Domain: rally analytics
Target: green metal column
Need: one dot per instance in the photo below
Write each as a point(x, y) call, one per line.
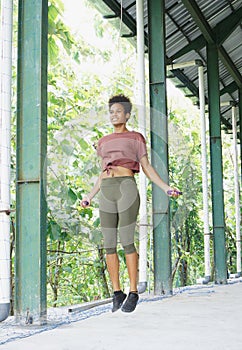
point(30, 260)
point(159, 146)
point(216, 165)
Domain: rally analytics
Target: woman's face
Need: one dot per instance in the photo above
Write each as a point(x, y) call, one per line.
point(117, 114)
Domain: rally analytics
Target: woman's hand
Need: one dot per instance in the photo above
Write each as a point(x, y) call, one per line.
point(85, 202)
point(173, 192)
point(151, 173)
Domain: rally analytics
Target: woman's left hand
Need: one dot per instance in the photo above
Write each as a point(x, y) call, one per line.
point(173, 192)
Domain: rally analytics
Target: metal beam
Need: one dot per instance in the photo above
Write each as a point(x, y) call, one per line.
point(226, 123)
point(210, 37)
point(228, 63)
point(199, 19)
point(196, 45)
point(127, 19)
point(216, 165)
point(229, 89)
point(159, 146)
point(226, 27)
point(186, 82)
point(221, 32)
point(30, 259)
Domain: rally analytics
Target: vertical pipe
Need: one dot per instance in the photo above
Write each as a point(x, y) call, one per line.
point(236, 191)
point(5, 152)
point(204, 175)
point(142, 127)
point(30, 254)
point(216, 165)
point(159, 146)
point(240, 130)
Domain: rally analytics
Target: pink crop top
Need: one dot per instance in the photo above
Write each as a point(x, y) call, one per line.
point(122, 149)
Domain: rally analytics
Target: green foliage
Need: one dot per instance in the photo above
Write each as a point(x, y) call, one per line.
point(76, 120)
point(186, 220)
point(59, 34)
point(229, 198)
point(76, 269)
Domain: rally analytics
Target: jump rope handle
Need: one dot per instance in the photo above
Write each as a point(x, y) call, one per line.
point(170, 192)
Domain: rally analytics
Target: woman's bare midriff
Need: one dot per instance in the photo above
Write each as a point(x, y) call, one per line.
point(116, 172)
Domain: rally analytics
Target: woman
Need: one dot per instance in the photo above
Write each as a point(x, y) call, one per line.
point(122, 152)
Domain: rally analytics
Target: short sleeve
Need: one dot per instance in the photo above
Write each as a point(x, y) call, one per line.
point(141, 147)
point(99, 149)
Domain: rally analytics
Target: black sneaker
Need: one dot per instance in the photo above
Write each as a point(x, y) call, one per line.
point(131, 302)
point(118, 300)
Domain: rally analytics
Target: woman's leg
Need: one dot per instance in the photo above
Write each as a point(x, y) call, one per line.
point(128, 208)
point(132, 266)
point(113, 270)
point(109, 222)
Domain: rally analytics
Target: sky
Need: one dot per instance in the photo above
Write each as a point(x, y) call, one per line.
point(79, 18)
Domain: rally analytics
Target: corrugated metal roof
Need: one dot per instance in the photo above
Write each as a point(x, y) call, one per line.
point(185, 41)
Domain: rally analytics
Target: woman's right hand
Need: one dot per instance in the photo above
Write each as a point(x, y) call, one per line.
point(85, 202)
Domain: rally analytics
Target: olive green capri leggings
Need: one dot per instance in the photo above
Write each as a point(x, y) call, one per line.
point(119, 206)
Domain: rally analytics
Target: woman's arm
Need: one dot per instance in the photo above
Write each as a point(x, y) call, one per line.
point(86, 201)
point(151, 173)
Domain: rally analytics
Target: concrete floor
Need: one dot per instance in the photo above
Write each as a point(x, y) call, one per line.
point(206, 317)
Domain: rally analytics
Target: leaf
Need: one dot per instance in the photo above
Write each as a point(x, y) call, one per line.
point(53, 50)
point(52, 13)
point(96, 222)
point(84, 145)
point(55, 231)
point(72, 195)
point(67, 148)
point(67, 269)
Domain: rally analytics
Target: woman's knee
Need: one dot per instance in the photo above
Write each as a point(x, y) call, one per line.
point(110, 251)
point(129, 249)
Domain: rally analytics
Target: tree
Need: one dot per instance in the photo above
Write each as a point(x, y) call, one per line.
point(76, 120)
